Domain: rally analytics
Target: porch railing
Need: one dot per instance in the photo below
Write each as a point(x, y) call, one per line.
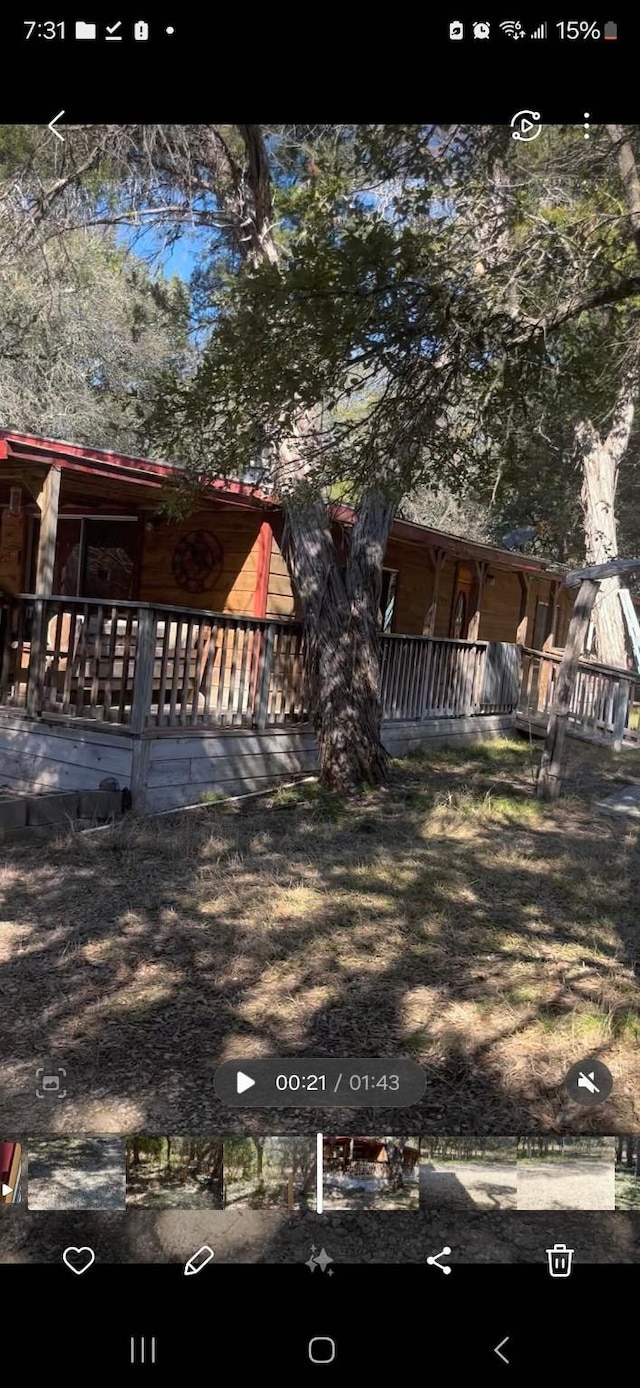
point(137, 665)
point(605, 704)
point(427, 678)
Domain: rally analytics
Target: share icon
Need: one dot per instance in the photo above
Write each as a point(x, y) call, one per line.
point(434, 1260)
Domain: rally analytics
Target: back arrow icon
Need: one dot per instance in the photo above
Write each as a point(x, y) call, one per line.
point(498, 1348)
point(52, 123)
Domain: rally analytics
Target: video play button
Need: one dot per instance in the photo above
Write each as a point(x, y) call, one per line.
point(6, 1190)
point(243, 1082)
point(525, 125)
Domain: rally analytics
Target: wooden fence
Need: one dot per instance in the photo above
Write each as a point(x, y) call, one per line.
point(138, 666)
point(604, 707)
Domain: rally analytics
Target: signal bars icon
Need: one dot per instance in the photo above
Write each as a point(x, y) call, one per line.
point(540, 32)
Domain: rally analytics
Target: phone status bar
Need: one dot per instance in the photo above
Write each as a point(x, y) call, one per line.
point(513, 31)
point(90, 31)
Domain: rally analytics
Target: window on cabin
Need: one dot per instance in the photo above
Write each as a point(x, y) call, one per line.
point(94, 558)
point(388, 598)
point(459, 624)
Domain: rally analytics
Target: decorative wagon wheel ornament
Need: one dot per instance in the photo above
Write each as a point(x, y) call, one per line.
point(197, 561)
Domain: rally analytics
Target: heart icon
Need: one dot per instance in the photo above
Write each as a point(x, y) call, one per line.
point(78, 1259)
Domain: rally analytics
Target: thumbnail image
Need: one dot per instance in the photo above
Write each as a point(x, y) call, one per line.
point(270, 1173)
point(76, 1173)
point(10, 1173)
point(566, 1173)
point(465, 1173)
point(175, 1172)
point(627, 1173)
point(378, 1173)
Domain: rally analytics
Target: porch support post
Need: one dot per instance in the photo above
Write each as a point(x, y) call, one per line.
point(48, 500)
point(554, 596)
point(473, 629)
point(265, 547)
point(429, 625)
point(523, 618)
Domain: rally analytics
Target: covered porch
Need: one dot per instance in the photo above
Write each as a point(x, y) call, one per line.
point(182, 704)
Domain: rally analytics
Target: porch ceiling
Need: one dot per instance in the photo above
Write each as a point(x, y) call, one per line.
point(81, 490)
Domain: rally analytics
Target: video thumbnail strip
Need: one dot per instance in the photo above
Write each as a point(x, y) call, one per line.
point(322, 1173)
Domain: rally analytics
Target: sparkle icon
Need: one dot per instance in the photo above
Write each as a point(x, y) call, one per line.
point(319, 1260)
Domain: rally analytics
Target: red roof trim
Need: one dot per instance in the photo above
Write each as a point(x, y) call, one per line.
point(125, 468)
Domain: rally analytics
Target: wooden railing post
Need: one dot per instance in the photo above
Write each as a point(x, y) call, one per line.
point(37, 655)
point(479, 678)
point(6, 623)
point(425, 682)
point(143, 672)
point(264, 677)
point(622, 701)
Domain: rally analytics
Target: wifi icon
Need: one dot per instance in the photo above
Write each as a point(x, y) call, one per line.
point(513, 29)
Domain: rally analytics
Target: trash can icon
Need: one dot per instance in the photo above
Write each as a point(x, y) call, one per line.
point(560, 1260)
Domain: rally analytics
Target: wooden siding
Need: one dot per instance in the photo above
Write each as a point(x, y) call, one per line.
point(12, 547)
point(37, 755)
point(500, 606)
point(402, 738)
point(414, 586)
point(280, 600)
point(183, 770)
point(445, 597)
point(233, 590)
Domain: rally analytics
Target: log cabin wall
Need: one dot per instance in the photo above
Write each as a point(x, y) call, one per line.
point(232, 585)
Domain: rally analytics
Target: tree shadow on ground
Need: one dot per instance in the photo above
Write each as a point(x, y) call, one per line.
point(448, 918)
point(448, 1190)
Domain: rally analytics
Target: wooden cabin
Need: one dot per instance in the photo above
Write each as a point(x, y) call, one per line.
point(363, 1155)
point(84, 523)
point(164, 656)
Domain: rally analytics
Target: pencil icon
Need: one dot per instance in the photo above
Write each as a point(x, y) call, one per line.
point(198, 1261)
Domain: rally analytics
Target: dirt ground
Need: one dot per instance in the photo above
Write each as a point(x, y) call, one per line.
point(79, 1174)
point(273, 1195)
point(357, 1193)
point(461, 1185)
point(449, 917)
point(186, 1195)
point(570, 1185)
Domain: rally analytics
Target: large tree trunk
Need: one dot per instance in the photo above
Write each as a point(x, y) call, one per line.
point(340, 606)
point(342, 641)
point(548, 785)
point(600, 460)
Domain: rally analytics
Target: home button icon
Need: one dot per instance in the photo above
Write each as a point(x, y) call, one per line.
point(322, 1349)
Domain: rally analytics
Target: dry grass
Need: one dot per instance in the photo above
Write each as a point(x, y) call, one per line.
point(448, 917)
